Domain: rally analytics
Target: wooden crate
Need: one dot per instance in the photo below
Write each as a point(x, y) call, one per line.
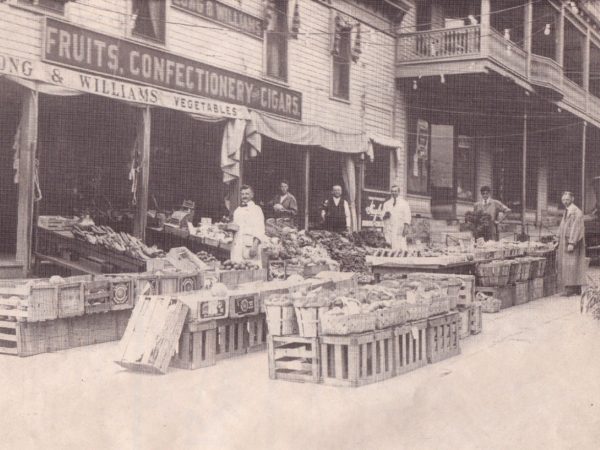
point(506, 294)
point(168, 283)
point(197, 346)
point(281, 320)
point(9, 337)
point(410, 346)
point(122, 294)
point(521, 292)
point(442, 337)
point(294, 358)
point(70, 299)
point(96, 296)
point(212, 309)
point(475, 318)
point(146, 284)
point(233, 278)
point(257, 333)
point(464, 330)
point(466, 294)
point(359, 359)
point(42, 303)
point(190, 282)
point(231, 337)
point(536, 288)
point(549, 285)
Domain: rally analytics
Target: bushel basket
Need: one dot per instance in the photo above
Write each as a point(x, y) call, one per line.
point(281, 319)
point(493, 274)
point(345, 324)
point(309, 320)
point(389, 317)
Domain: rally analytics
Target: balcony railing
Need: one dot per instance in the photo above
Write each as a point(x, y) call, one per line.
point(546, 72)
point(447, 43)
point(506, 53)
point(574, 94)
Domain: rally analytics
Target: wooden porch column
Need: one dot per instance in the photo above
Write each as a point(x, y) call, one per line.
point(306, 187)
point(141, 212)
point(560, 55)
point(27, 155)
point(583, 156)
point(524, 179)
point(528, 17)
point(586, 62)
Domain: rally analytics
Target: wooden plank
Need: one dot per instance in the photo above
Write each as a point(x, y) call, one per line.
point(8, 324)
point(8, 337)
point(9, 350)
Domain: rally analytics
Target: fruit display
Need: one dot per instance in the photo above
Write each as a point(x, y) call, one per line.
point(105, 236)
point(214, 232)
point(480, 224)
point(240, 265)
point(368, 238)
point(207, 257)
point(351, 257)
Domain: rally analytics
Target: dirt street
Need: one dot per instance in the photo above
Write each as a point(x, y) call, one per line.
point(530, 381)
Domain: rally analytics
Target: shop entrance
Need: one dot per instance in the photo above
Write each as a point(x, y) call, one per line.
point(185, 164)
point(325, 171)
point(85, 153)
point(277, 161)
point(10, 112)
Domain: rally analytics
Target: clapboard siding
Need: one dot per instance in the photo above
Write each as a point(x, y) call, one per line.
point(371, 107)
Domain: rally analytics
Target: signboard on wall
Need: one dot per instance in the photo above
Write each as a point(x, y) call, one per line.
point(72, 46)
point(372, 210)
point(223, 14)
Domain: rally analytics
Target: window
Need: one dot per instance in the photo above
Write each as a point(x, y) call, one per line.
point(149, 19)
point(377, 172)
point(573, 53)
point(544, 38)
point(276, 39)
point(418, 157)
point(507, 17)
point(342, 58)
point(56, 6)
point(594, 69)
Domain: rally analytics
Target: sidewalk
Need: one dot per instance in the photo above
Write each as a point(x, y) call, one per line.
point(530, 381)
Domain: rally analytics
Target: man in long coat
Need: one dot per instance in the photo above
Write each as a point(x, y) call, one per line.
point(396, 220)
point(571, 262)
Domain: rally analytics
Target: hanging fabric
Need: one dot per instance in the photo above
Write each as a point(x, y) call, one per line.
point(136, 155)
point(296, 21)
point(233, 137)
point(155, 11)
point(37, 190)
point(357, 49)
point(269, 15)
point(341, 25)
point(16, 149)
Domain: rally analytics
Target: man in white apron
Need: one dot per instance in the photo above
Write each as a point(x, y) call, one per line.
point(396, 220)
point(249, 226)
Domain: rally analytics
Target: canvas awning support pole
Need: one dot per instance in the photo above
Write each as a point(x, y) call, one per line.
point(27, 155)
point(306, 188)
point(524, 179)
point(583, 157)
point(139, 225)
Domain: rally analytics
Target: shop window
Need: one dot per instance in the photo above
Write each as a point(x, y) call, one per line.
point(55, 6)
point(342, 59)
point(149, 19)
point(377, 172)
point(276, 39)
point(464, 169)
point(418, 157)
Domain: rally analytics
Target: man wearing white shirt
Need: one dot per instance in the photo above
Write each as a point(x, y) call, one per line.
point(396, 220)
point(335, 212)
point(249, 226)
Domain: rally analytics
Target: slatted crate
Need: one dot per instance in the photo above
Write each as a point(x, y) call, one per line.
point(549, 285)
point(521, 292)
point(506, 294)
point(442, 337)
point(475, 318)
point(70, 299)
point(146, 284)
point(8, 337)
point(257, 333)
point(233, 278)
point(466, 294)
point(536, 288)
point(231, 337)
point(96, 296)
point(357, 360)
point(464, 329)
point(197, 346)
point(168, 283)
point(294, 358)
point(410, 346)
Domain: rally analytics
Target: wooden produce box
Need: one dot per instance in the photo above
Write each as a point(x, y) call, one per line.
point(521, 292)
point(97, 296)
point(475, 318)
point(294, 358)
point(506, 294)
point(231, 337)
point(536, 288)
point(242, 304)
point(357, 360)
point(465, 322)
point(197, 346)
point(38, 298)
point(233, 278)
point(257, 333)
point(442, 337)
point(70, 299)
point(410, 346)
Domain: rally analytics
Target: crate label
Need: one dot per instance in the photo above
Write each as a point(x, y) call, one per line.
point(210, 279)
point(213, 309)
point(244, 305)
point(188, 284)
point(120, 293)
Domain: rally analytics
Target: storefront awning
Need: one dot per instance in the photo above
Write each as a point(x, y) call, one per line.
point(41, 87)
point(304, 134)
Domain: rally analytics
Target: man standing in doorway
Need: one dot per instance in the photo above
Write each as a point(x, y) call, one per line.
point(335, 212)
point(495, 209)
point(396, 220)
point(249, 227)
point(284, 204)
point(572, 265)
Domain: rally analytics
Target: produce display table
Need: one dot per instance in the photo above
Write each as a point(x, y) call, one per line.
point(63, 249)
point(383, 265)
point(170, 237)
